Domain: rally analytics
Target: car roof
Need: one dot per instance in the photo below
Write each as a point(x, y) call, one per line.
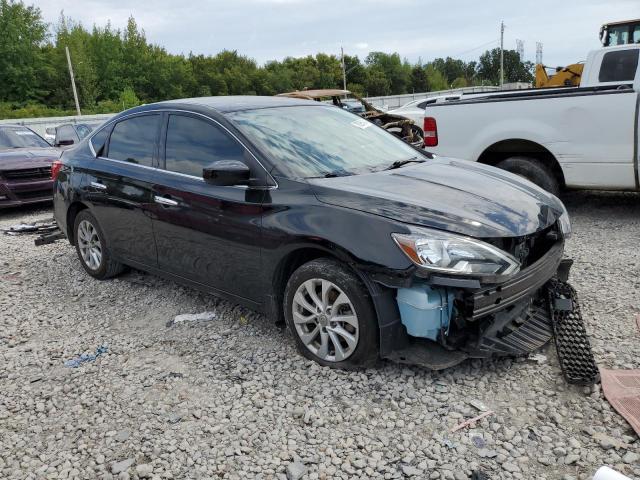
point(227, 104)
point(13, 125)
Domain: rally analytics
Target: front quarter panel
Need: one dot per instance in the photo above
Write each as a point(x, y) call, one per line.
point(294, 219)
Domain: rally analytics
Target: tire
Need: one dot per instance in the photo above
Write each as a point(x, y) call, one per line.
point(336, 287)
point(92, 249)
point(533, 170)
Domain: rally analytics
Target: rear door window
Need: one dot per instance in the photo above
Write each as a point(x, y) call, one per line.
point(193, 143)
point(619, 66)
point(134, 140)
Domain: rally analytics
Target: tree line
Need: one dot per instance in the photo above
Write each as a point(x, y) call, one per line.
point(117, 69)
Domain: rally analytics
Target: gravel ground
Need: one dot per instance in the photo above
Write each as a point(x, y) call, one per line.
point(230, 397)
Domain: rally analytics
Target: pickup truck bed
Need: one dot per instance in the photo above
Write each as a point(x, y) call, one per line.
point(578, 137)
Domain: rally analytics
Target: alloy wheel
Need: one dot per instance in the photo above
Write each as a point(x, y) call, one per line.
point(89, 245)
point(325, 320)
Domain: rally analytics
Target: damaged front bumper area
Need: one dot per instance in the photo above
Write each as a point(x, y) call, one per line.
point(441, 325)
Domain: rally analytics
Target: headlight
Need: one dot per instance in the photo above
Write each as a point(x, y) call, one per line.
point(565, 223)
point(454, 254)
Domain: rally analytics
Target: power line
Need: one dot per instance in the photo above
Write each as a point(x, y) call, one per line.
point(476, 48)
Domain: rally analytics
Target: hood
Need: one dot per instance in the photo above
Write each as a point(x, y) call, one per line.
point(18, 158)
point(453, 195)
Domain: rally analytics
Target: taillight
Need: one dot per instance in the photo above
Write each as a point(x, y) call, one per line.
point(55, 169)
point(430, 132)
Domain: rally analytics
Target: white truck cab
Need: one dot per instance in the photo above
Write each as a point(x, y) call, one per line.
point(574, 137)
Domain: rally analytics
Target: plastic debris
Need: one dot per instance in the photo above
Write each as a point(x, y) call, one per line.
point(621, 388)
point(39, 226)
point(478, 405)
point(538, 358)
point(606, 473)
point(86, 357)
point(471, 421)
point(194, 317)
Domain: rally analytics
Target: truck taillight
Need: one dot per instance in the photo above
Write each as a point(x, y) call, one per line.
point(55, 169)
point(430, 132)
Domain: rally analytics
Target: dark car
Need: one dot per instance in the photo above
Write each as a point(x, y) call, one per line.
point(367, 246)
point(25, 166)
point(69, 134)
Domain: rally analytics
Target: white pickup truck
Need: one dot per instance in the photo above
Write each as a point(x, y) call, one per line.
point(574, 137)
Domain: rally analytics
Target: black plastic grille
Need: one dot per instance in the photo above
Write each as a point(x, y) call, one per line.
point(572, 343)
point(27, 173)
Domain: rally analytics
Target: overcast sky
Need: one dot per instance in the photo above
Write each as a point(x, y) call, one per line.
point(274, 29)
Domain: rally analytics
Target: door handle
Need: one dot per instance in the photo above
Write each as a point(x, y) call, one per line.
point(165, 201)
point(98, 185)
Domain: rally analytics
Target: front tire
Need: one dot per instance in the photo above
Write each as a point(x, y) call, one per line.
point(330, 314)
point(533, 170)
point(92, 249)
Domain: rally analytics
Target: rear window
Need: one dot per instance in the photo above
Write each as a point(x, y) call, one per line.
point(20, 137)
point(619, 66)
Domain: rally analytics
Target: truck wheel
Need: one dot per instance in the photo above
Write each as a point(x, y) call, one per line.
point(533, 170)
point(329, 312)
point(92, 248)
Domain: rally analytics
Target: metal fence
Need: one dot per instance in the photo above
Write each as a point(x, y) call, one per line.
point(39, 125)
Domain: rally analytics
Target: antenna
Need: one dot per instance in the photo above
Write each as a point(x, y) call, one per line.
point(539, 53)
point(520, 48)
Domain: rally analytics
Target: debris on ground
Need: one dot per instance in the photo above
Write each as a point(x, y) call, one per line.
point(86, 357)
point(38, 226)
point(621, 388)
point(194, 317)
point(606, 473)
point(477, 439)
point(471, 421)
point(478, 405)
point(638, 322)
point(539, 358)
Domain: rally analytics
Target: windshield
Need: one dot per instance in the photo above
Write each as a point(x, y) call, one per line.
point(316, 141)
point(19, 137)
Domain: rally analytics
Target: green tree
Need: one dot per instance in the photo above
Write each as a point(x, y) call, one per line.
point(514, 69)
point(22, 35)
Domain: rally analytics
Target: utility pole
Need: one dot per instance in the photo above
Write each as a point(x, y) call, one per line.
point(73, 82)
point(344, 70)
point(501, 54)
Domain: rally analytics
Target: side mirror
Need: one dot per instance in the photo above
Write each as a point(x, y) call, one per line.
point(64, 142)
point(227, 173)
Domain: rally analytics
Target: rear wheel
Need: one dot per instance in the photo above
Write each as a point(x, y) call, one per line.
point(329, 311)
point(92, 249)
point(533, 170)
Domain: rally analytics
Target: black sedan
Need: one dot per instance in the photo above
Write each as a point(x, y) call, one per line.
point(366, 246)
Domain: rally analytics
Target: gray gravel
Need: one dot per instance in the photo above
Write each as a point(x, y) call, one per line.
point(230, 397)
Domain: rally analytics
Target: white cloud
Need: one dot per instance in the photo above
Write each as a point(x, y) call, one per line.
point(273, 29)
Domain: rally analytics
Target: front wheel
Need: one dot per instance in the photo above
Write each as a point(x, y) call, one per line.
point(329, 311)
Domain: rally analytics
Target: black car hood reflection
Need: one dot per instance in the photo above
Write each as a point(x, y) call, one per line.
point(447, 194)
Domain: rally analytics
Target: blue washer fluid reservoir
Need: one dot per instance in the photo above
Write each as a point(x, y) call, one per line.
point(424, 310)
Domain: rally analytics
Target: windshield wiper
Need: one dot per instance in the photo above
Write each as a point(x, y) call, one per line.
point(333, 174)
point(400, 163)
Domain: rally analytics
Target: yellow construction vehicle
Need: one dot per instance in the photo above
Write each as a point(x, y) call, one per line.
point(568, 76)
point(613, 33)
